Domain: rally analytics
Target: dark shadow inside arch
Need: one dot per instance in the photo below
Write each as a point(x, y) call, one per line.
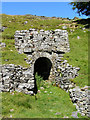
point(42, 67)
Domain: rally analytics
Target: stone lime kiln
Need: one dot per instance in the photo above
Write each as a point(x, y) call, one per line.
point(44, 50)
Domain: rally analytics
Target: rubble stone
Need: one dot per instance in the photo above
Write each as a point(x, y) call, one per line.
point(80, 98)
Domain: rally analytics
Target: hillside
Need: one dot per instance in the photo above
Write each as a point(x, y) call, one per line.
point(78, 56)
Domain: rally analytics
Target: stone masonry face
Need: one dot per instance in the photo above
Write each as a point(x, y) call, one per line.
point(29, 41)
point(51, 45)
point(16, 78)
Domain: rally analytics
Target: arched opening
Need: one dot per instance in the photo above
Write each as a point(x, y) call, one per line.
point(42, 67)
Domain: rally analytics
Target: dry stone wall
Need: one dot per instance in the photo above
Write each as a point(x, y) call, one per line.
point(28, 41)
point(81, 99)
point(65, 73)
point(16, 78)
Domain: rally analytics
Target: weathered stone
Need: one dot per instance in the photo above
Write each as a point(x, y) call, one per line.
point(2, 45)
point(49, 35)
point(83, 28)
point(25, 22)
point(74, 114)
point(78, 97)
point(2, 28)
point(78, 37)
point(64, 27)
point(26, 50)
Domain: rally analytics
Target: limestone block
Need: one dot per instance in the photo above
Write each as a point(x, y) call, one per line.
point(25, 22)
point(27, 49)
point(2, 45)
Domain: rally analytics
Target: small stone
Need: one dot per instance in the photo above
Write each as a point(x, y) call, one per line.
point(25, 22)
point(77, 68)
point(42, 88)
point(83, 28)
point(82, 114)
point(55, 37)
point(70, 86)
point(73, 89)
point(29, 92)
point(6, 60)
point(45, 91)
point(10, 116)
point(78, 37)
point(86, 87)
point(51, 110)
point(64, 27)
point(42, 30)
point(70, 90)
point(74, 114)
point(12, 93)
point(26, 50)
point(11, 110)
point(39, 91)
point(57, 113)
point(2, 45)
point(82, 89)
point(50, 92)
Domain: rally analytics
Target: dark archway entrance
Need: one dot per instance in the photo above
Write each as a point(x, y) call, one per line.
point(43, 66)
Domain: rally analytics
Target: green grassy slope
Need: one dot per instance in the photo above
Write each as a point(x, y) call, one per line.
point(10, 54)
point(78, 55)
point(52, 102)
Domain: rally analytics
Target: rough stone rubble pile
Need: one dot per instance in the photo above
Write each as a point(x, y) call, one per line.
point(81, 98)
point(65, 73)
point(2, 45)
point(32, 40)
point(16, 78)
point(2, 28)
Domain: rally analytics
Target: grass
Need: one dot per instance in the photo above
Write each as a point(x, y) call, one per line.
point(55, 103)
point(78, 55)
point(17, 23)
point(10, 54)
point(39, 80)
